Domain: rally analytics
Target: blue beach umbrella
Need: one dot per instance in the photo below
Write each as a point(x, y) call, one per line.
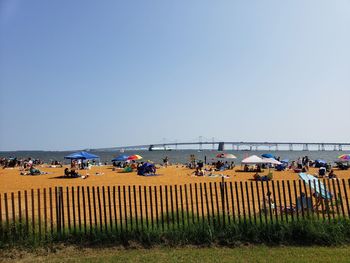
point(316, 185)
point(320, 161)
point(268, 155)
point(81, 156)
point(120, 158)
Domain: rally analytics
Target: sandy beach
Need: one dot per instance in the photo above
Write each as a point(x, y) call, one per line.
point(12, 181)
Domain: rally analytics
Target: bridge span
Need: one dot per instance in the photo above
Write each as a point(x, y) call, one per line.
point(223, 145)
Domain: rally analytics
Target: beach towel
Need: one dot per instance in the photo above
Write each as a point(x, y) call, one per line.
point(149, 174)
point(211, 175)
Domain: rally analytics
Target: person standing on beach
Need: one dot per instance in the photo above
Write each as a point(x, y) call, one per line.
point(166, 161)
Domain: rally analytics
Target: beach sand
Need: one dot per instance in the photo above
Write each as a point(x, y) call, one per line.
point(12, 181)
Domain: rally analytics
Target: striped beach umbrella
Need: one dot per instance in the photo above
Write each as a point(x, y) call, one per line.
point(344, 157)
point(226, 156)
point(134, 157)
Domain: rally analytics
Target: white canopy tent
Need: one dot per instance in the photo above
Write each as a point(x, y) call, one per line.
point(253, 160)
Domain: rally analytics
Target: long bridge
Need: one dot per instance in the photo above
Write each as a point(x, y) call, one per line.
point(250, 145)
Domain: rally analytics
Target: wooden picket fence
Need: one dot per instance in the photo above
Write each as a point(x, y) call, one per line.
point(85, 209)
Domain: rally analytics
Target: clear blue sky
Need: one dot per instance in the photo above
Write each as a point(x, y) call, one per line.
point(84, 74)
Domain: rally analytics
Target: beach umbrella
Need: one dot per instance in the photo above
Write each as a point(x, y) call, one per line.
point(81, 156)
point(320, 161)
point(134, 157)
point(226, 156)
point(120, 158)
point(268, 155)
point(315, 184)
point(344, 157)
point(271, 161)
point(253, 160)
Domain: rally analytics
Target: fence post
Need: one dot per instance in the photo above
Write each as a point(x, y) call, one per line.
point(206, 202)
point(140, 201)
point(337, 200)
point(89, 208)
point(135, 207)
point(285, 201)
point(331, 201)
point(222, 194)
point(253, 201)
point(346, 197)
point(259, 203)
point(104, 207)
point(227, 204)
point(13, 215)
point(51, 210)
point(161, 206)
point(1, 225)
point(237, 202)
point(99, 207)
point(197, 205)
point(6, 214)
point(150, 205)
point(33, 213)
point(68, 209)
point(39, 214)
point(290, 201)
point(232, 203)
point(84, 208)
point(172, 205)
point(177, 208)
point(248, 202)
point(275, 201)
point(331, 198)
point(341, 198)
point(182, 208)
point(73, 211)
point(79, 208)
point(110, 209)
point(296, 199)
point(130, 208)
point(311, 202)
point(45, 212)
point(115, 209)
point(243, 202)
point(94, 203)
point(326, 200)
point(187, 212)
point(301, 200)
point(58, 216)
point(322, 206)
point(156, 203)
point(217, 203)
point(264, 200)
point(212, 204)
point(316, 203)
point(125, 209)
point(279, 199)
point(146, 206)
point(192, 210)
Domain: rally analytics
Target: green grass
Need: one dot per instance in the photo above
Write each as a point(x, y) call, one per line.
point(304, 232)
point(189, 254)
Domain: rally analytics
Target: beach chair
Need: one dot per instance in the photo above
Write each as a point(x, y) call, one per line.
point(127, 169)
point(304, 203)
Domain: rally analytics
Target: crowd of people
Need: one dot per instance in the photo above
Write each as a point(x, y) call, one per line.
point(12, 162)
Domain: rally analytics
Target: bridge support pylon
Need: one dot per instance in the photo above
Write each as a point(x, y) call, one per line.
point(221, 146)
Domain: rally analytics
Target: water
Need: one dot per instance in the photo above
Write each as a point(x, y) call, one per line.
point(178, 156)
